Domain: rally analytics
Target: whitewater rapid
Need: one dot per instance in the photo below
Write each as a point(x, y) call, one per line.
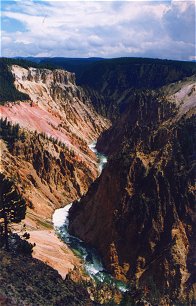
point(92, 262)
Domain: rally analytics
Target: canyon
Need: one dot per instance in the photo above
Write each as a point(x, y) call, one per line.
point(57, 127)
point(50, 160)
point(139, 212)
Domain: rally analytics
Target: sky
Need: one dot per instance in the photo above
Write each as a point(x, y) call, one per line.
point(155, 29)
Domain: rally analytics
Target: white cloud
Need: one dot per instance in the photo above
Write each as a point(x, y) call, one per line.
point(192, 58)
point(109, 29)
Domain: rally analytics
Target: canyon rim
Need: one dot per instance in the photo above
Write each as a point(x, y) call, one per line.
point(97, 153)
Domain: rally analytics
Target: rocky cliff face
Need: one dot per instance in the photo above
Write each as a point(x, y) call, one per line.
point(52, 164)
point(56, 106)
point(139, 214)
point(48, 174)
point(111, 83)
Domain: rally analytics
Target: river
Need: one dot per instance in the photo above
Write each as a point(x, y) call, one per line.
point(91, 260)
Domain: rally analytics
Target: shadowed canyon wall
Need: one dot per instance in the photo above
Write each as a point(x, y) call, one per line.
point(140, 213)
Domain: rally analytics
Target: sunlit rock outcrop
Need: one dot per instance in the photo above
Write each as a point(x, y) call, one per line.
point(53, 164)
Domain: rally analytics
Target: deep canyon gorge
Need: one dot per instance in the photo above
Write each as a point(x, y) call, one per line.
point(138, 214)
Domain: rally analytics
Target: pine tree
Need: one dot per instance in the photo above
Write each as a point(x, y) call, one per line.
point(12, 206)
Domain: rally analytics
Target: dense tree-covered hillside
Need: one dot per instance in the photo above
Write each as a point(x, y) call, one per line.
point(76, 65)
point(111, 83)
point(136, 72)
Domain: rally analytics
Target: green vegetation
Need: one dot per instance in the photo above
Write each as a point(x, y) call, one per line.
point(12, 207)
point(10, 132)
point(119, 74)
point(28, 281)
point(186, 135)
point(112, 84)
point(8, 92)
point(26, 63)
point(45, 224)
point(76, 65)
point(124, 73)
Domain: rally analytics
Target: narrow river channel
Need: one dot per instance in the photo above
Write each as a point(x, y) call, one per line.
point(91, 260)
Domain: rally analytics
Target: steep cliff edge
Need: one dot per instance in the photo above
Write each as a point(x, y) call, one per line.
point(44, 149)
point(139, 214)
point(47, 173)
point(53, 161)
point(111, 83)
point(57, 106)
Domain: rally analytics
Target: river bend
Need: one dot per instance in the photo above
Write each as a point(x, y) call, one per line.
point(91, 260)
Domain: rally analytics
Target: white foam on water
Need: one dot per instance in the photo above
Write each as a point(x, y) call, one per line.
point(60, 216)
point(92, 262)
point(92, 146)
point(102, 159)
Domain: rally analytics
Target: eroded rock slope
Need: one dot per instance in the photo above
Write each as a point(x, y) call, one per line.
point(140, 213)
point(52, 164)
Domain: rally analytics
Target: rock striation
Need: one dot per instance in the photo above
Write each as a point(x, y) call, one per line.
point(56, 106)
point(48, 175)
point(44, 149)
point(53, 164)
point(139, 213)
